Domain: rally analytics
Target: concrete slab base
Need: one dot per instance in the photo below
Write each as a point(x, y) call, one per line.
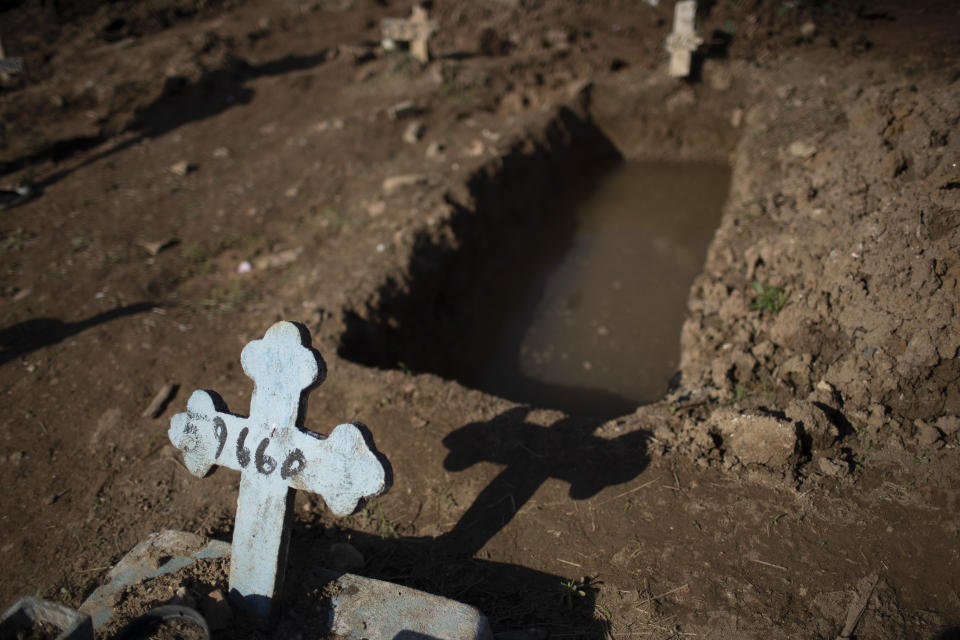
point(362, 608)
point(161, 553)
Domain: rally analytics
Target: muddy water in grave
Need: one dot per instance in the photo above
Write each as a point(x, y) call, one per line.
point(588, 321)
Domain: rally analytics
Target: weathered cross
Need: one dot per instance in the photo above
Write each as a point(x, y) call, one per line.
point(683, 41)
point(275, 457)
point(415, 30)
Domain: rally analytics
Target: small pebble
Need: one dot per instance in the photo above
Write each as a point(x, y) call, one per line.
point(414, 132)
point(376, 208)
point(394, 183)
point(801, 149)
point(182, 168)
point(402, 110)
point(736, 118)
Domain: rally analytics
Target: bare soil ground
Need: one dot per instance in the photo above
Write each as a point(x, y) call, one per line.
point(807, 455)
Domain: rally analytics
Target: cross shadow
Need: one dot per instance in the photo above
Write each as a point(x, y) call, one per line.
point(512, 596)
point(181, 102)
point(22, 338)
point(531, 454)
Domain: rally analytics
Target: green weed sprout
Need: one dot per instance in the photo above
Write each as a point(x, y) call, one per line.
point(768, 299)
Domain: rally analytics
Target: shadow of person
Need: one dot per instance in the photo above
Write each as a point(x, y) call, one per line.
point(22, 338)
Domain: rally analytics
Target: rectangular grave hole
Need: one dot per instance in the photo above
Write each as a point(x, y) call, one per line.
point(567, 298)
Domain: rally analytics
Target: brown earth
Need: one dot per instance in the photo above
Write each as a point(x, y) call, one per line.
point(807, 447)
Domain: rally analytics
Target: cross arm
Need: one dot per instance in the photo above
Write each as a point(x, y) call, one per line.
point(203, 434)
point(344, 468)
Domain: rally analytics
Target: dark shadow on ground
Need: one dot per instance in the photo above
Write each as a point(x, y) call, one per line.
point(181, 102)
point(513, 597)
point(56, 151)
point(566, 450)
point(29, 335)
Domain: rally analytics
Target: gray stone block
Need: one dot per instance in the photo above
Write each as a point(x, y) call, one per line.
point(368, 609)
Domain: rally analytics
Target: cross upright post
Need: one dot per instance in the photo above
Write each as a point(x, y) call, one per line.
point(683, 41)
point(275, 457)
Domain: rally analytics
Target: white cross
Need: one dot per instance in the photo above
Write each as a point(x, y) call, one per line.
point(684, 40)
point(415, 30)
point(275, 457)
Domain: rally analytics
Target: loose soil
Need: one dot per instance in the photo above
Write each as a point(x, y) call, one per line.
point(808, 443)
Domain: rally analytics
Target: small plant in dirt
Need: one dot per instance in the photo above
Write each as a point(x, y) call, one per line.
point(767, 299)
point(572, 590)
point(378, 521)
point(231, 298)
point(774, 519)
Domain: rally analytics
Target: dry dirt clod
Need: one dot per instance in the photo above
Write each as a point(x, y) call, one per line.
point(155, 247)
point(414, 132)
point(801, 149)
point(927, 434)
point(736, 118)
point(831, 468)
point(401, 110)
point(279, 259)
point(182, 168)
point(814, 422)
point(754, 439)
point(394, 184)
